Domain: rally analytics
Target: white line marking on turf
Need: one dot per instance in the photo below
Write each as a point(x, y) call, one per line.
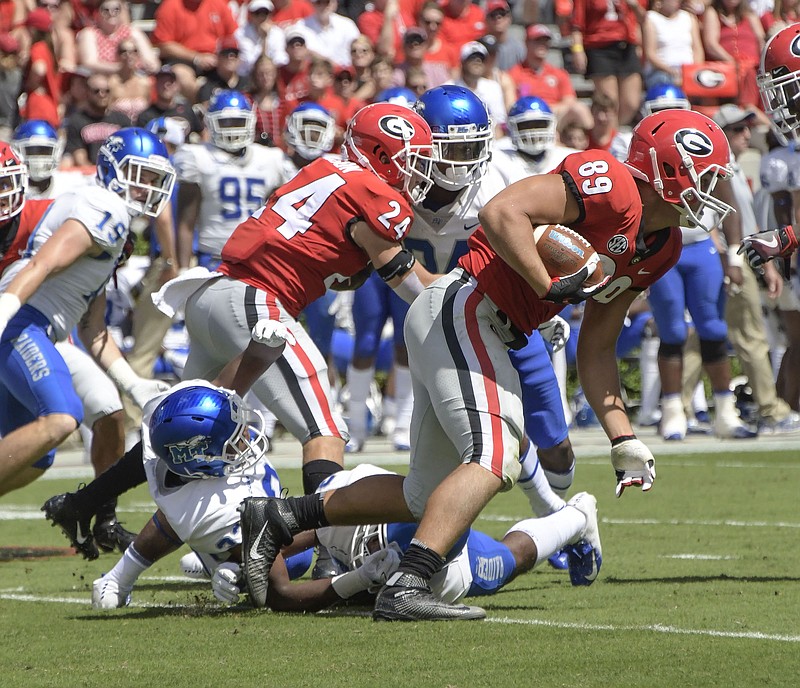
point(697, 557)
point(659, 522)
point(654, 628)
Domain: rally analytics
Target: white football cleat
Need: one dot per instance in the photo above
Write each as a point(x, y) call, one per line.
point(106, 594)
point(585, 556)
point(673, 419)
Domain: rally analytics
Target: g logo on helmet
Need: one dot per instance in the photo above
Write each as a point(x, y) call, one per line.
point(396, 127)
point(794, 46)
point(694, 142)
point(709, 78)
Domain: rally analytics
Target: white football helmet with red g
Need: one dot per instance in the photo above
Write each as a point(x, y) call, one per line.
point(13, 183)
point(779, 81)
point(682, 154)
point(396, 144)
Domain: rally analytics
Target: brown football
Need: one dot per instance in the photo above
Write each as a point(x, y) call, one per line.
point(563, 252)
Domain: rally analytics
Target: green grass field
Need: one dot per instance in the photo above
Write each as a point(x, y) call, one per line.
point(700, 586)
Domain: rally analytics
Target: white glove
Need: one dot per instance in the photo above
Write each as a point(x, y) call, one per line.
point(633, 462)
point(144, 389)
point(556, 331)
point(272, 333)
point(371, 575)
point(225, 582)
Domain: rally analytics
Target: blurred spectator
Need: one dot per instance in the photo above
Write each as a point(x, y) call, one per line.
point(10, 82)
point(510, 50)
point(344, 86)
point(130, 87)
point(430, 54)
point(784, 12)
point(417, 80)
point(287, 12)
point(670, 39)
point(293, 76)
point(41, 82)
point(267, 104)
point(574, 136)
point(62, 33)
point(463, 22)
point(98, 44)
point(74, 90)
point(91, 125)
point(473, 68)
point(493, 72)
point(225, 76)
point(187, 34)
point(610, 36)
point(329, 34)
point(361, 56)
point(382, 24)
point(733, 33)
point(169, 103)
point(260, 36)
point(537, 77)
point(605, 134)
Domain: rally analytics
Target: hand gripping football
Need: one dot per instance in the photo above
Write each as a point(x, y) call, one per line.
point(563, 252)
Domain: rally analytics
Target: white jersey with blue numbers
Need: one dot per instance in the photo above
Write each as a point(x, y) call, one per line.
point(203, 512)
point(780, 170)
point(233, 187)
point(438, 237)
point(64, 297)
point(514, 166)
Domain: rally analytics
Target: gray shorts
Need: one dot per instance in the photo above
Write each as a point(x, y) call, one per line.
point(467, 395)
point(219, 318)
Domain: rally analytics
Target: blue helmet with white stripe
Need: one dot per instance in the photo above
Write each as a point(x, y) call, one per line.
point(532, 125)
point(231, 120)
point(399, 95)
point(310, 130)
point(204, 432)
point(462, 135)
point(38, 145)
point(664, 97)
point(134, 164)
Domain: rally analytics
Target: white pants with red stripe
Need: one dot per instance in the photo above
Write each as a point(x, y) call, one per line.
point(467, 395)
point(219, 318)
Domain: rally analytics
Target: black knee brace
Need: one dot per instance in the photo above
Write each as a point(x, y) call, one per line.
point(670, 350)
point(713, 350)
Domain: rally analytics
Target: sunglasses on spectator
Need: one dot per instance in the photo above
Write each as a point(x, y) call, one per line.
point(99, 91)
point(497, 14)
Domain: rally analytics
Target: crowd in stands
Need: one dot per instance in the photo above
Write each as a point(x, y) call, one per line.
point(345, 53)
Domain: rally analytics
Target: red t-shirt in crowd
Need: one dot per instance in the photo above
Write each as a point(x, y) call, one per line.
point(196, 25)
point(603, 22)
point(468, 26)
point(292, 12)
point(551, 84)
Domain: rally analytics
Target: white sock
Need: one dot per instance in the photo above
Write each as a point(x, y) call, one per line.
point(560, 482)
point(551, 533)
point(651, 380)
point(404, 398)
point(699, 401)
point(358, 383)
point(559, 361)
point(533, 482)
point(130, 566)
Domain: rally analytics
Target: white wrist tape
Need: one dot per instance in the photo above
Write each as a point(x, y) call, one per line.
point(348, 584)
point(735, 260)
point(9, 305)
point(122, 375)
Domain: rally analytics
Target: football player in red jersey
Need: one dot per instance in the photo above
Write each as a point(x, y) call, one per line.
point(324, 228)
point(467, 429)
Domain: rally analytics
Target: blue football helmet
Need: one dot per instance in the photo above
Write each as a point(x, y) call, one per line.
point(664, 97)
point(399, 95)
point(310, 130)
point(204, 432)
point(134, 164)
point(462, 135)
point(231, 120)
point(532, 125)
point(39, 147)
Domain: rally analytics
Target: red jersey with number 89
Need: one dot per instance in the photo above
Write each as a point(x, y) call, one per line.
point(298, 244)
point(610, 217)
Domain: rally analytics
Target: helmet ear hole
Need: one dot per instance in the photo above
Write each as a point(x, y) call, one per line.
point(669, 170)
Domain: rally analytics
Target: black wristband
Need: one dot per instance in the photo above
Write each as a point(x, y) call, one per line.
point(621, 439)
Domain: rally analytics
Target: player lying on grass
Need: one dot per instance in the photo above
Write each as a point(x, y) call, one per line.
point(204, 453)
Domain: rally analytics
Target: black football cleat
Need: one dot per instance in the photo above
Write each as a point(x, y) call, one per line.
point(407, 597)
point(62, 513)
point(110, 535)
